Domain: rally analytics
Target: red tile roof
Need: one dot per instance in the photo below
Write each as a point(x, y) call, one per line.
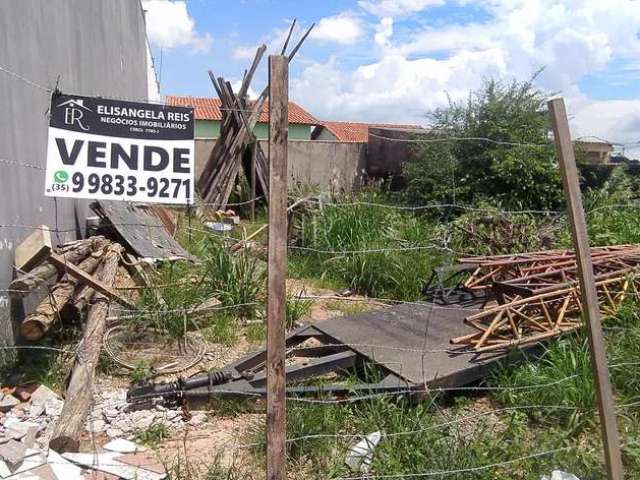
point(207, 108)
point(356, 131)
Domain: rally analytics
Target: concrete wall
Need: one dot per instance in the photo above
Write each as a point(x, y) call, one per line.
point(387, 152)
point(94, 47)
point(211, 129)
point(330, 165)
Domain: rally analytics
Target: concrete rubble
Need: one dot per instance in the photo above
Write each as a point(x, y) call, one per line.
point(30, 413)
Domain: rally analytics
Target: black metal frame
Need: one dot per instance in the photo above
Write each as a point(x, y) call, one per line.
point(247, 376)
point(445, 286)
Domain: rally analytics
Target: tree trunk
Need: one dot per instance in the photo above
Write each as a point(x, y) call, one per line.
point(81, 298)
point(24, 284)
point(40, 320)
point(79, 393)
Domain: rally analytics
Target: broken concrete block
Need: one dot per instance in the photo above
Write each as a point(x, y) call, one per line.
point(106, 462)
point(198, 419)
point(7, 402)
point(120, 445)
point(42, 394)
point(17, 429)
point(62, 468)
point(13, 452)
point(30, 462)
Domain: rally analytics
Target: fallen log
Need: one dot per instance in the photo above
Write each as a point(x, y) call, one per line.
point(39, 321)
point(79, 392)
point(81, 298)
point(97, 285)
point(27, 282)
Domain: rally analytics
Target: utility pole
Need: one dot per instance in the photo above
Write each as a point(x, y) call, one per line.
point(591, 307)
point(277, 266)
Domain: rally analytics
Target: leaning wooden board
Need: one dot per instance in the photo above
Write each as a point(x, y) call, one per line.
point(141, 230)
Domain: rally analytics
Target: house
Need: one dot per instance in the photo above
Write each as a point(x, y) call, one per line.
point(597, 150)
point(357, 132)
point(208, 116)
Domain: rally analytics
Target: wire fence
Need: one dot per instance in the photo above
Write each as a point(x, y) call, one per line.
point(343, 439)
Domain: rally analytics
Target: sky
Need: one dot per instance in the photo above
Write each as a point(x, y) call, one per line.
point(396, 60)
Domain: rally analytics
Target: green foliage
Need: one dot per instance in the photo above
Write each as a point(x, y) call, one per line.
point(564, 371)
point(297, 308)
point(418, 439)
point(491, 231)
point(465, 172)
point(237, 280)
point(163, 308)
point(154, 435)
point(386, 252)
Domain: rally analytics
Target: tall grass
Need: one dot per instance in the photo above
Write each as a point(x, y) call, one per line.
point(396, 272)
point(237, 280)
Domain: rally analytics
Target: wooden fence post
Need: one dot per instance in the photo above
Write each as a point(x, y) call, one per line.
point(254, 155)
point(591, 308)
point(277, 266)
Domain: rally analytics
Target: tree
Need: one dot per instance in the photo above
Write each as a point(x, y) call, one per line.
point(494, 148)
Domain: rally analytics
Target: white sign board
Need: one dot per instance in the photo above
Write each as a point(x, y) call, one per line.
point(114, 150)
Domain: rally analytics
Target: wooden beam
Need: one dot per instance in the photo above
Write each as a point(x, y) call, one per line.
point(33, 250)
point(277, 266)
point(591, 310)
point(79, 393)
point(84, 278)
point(254, 157)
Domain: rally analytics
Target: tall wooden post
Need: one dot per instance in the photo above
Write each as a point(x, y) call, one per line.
point(254, 155)
point(277, 266)
point(591, 308)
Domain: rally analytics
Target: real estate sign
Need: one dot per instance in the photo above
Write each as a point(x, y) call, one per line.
point(115, 150)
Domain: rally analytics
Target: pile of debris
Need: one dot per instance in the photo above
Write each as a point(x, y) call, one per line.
point(236, 135)
point(73, 274)
point(28, 415)
point(534, 296)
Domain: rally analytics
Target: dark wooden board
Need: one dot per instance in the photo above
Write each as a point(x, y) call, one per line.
point(432, 361)
point(141, 230)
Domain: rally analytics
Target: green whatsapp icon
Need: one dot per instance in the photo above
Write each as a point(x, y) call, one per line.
point(60, 176)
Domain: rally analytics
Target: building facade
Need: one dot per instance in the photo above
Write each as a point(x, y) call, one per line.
point(86, 47)
point(208, 115)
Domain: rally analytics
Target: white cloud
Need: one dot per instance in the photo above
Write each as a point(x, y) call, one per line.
point(235, 86)
point(244, 52)
point(570, 38)
point(384, 32)
point(392, 8)
point(614, 120)
point(344, 28)
point(169, 25)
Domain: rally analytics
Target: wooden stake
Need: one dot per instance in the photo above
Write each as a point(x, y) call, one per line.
point(254, 155)
point(277, 266)
point(591, 310)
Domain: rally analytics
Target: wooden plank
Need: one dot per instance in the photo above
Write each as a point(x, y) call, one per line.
point(85, 278)
point(33, 249)
point(591, 310)
point(277, 266)
point(79, 393)
point(254, 156)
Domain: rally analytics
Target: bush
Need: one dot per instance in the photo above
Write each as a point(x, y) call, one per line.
point(490, 231)
point(518, 173)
